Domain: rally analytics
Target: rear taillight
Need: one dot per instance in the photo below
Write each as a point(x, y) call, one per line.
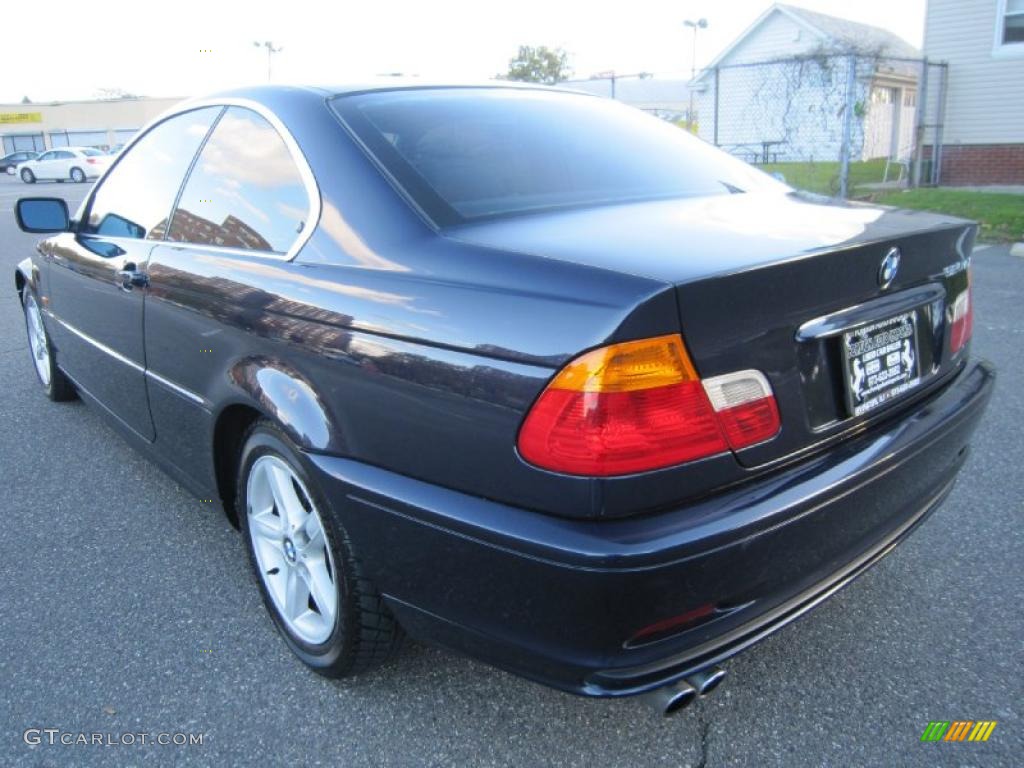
point(962, 319)
point(745, 407)
point(640, 405)
point(91, 160)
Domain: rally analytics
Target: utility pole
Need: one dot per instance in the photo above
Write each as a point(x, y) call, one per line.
point(699, 24)
point(271, 50)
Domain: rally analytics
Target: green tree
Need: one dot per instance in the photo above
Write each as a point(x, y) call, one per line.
point(538, 64)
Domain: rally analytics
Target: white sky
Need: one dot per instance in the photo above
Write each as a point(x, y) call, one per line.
point(70, 50)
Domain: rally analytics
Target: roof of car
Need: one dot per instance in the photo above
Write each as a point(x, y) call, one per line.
point(403, 83)
point(376, 84)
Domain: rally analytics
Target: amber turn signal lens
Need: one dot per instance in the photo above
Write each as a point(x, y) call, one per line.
point(629, 366)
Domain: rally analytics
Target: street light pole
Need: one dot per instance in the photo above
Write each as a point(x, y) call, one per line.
point(271, 50)
point(699, 24)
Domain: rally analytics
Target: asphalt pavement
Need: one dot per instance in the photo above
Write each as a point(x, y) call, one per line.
point(128, 607)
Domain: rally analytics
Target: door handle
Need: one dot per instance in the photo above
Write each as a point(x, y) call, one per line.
point(130, 276)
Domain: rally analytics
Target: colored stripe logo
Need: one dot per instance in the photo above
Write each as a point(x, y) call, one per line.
point(958, 730)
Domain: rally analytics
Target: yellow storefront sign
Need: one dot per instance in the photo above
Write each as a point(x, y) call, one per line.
point(8, 118)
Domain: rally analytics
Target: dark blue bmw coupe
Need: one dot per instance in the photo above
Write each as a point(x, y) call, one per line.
point(522, 372)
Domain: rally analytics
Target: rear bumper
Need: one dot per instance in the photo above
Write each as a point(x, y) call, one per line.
point(557, 600)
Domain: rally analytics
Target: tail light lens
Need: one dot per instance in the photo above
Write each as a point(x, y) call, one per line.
point(633, 407)
point(91, 160)
point(962, 325)
point(745, 406)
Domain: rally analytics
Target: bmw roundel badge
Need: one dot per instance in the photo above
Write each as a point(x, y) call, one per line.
point(889, 267)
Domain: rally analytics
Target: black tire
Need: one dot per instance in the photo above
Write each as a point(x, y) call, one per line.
point(59, 388)
point(77, 175)
point(27, 176)
point(365, 633)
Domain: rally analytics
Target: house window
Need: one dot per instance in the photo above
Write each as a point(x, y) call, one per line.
point(1011, 22)
point(881, 95)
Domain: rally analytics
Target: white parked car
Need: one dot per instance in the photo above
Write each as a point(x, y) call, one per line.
point(74, 163)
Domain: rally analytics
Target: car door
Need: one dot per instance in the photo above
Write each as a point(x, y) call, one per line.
point(98, 273)
point(244, 207)
point(63, 160)
point(42, 168)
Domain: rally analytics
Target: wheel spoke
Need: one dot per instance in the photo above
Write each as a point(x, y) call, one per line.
point(267, 526)
point(315, 542)
point(296, 595)
point(271, 558)
point(287, 501)
point(323, 591)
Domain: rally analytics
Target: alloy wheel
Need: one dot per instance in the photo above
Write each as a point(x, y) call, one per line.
point(293, 554)
point(38, 345)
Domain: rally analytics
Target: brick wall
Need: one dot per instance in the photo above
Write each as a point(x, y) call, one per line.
point(981, 163)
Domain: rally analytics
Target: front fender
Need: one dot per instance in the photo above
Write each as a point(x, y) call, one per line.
point(26, 274)
point(284, 395)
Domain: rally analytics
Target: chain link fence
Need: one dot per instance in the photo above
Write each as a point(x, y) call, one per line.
point(839, 124)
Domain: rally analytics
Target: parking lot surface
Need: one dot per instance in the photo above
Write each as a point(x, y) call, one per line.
point(128, 607)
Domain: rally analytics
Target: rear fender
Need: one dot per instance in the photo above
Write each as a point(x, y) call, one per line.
point(286, 396)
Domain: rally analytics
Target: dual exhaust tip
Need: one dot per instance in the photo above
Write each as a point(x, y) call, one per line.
point(677, 696)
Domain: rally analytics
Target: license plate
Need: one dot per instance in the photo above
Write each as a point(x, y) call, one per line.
point(881, 362)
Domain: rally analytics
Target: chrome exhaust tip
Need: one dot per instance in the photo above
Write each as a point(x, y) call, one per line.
point(671, 698)
point(705, 681)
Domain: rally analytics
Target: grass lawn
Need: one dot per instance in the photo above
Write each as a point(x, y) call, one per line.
point(823, 177)
point(1001, 215)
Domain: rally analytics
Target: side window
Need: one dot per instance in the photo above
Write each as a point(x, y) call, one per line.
point(245, 190)
point(136, 197)
point(46, 156)
point(63, 155)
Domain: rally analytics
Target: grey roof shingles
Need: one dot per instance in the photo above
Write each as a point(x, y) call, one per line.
point(853, 34)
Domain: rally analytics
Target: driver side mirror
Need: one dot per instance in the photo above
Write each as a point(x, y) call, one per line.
point(42, 215)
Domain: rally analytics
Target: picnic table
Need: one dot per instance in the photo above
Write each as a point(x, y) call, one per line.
point(755, 152)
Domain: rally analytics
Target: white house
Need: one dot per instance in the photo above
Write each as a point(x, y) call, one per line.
point(983, 131)
point(779, 90)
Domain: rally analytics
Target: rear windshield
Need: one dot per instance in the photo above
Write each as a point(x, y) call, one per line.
point(91, 152)
point(469, 153)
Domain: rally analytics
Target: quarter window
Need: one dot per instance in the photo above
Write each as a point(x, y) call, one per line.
point(136, 197)
point(245, 190)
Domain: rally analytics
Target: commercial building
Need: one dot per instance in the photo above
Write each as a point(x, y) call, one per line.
point(100, 124)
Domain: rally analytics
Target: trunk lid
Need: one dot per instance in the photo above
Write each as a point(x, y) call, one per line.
point(774, 283)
